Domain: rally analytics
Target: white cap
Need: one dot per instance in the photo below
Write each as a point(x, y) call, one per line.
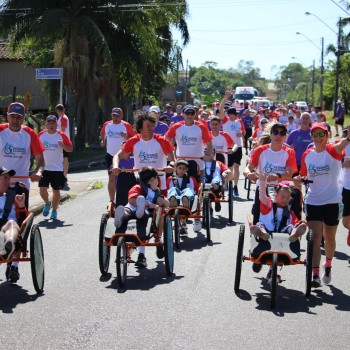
point(155, 109)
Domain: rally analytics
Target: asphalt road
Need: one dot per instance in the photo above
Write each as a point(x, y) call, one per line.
point(196, 308)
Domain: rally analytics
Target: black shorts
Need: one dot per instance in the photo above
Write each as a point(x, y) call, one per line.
point(339, 121)
point(234, 158)
point(109, 161)
point(346, 202)
point(55, 178)
point(329, 214)
point(65, 154)
point(248, 133)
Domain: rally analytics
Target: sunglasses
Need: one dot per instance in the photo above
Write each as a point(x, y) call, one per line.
point(281, 132)
point(318, 134)
point(190, 113)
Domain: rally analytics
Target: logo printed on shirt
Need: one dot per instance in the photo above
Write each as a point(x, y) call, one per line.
point(48, 145)
point(12, 150)
point(111, 133)
point(318, 170)
point(235, 127)
point(274, 169)
point(185, 140)
point(143, 156)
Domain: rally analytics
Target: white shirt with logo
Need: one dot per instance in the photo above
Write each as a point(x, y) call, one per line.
point(53, 154)
point(233, 128)
point(324, 169)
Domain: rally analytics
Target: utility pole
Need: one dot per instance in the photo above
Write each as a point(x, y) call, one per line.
point(313, 81)
point(322, 71)
point(337, 71)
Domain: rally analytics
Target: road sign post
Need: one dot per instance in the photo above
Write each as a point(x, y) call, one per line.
point(51, 73)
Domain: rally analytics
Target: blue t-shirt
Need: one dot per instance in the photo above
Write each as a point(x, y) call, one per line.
point(300, 139)
point(161, 128)
point(177, 118)
point(248, 121)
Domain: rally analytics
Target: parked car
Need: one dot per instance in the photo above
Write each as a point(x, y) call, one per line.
point(301, 104)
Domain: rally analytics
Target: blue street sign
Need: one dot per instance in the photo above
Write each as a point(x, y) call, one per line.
point(49, 73)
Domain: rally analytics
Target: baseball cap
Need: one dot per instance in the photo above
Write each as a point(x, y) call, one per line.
point(4, 171)
point(179, 108)
point(146, 173)
point(319, 126)
point(168, 105)
point(232, 110)
point(155, 109)
point(51, 118)
point(278, 125)
point(16, 108)
point(117, 110)
point(189, 107)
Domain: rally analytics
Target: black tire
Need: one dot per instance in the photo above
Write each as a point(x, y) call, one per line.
point(168, 246)
point(274, 280)
point(230, 202)
point(309, 255)
point(104, 251)
point(37, 259)
point(206, 214)
point(177, 229)
point(121, 262)
point(239, 258)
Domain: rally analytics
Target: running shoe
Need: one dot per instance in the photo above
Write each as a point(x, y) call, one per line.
point(298, 232)
point(327, 274)
point(118, 216)
point(160, 252)
point(316, 282)
point(141, 261)
point(185, 201)
point(46, 209)
point(348, 239)
point(140, 206)
point(259, 231)
point(217, 206)
point(197, 225)
point(12, 274)
point(268, 278)
point(183, 229)
point(54, 214)
point(235, 191)
point(257, 267)
point(173, 201)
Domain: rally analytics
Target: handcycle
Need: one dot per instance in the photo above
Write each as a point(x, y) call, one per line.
point(126, 243)
point(35, 254)
point(277, 251)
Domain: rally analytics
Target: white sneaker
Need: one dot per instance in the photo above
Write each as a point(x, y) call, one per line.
point(259, 231)
point(327, 274)
point(118, 216)
point(298, 232)
point(197, 225)
point(140, 206)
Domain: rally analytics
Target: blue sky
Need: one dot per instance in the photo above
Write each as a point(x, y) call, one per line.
point(263, 31)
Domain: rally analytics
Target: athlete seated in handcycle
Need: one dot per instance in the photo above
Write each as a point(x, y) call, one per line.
point(182, 189)
point(143, 198)
point(214, 174)
point(12, 214)
point(275, 216)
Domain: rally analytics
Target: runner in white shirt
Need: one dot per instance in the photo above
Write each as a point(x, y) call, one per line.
point(149, 149)
point(18, 143)
point(113, 133)
point(63, 125)
point(322, 165)
point(55, 142)
point(235, 128)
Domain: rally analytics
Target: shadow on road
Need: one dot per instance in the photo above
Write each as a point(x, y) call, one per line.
point(145, 279)
point(13, 295)
point(52, 224)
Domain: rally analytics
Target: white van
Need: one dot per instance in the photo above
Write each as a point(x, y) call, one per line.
point(245, 93)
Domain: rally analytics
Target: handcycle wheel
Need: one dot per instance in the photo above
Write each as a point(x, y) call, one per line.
point(37, 259)
point(168, 246)
point(121, 262)
point(103, 250)
point(230, 202)
point(239, 258)
point(274, 280)
point(177, 229)
point(309, 254)
point(206, 214)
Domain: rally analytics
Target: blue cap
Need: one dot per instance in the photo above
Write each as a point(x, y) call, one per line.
point(188, 107)
point(16, 108)
point(117, 111)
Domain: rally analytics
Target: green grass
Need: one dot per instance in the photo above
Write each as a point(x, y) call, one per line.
point(331, 121)
point(97, 185)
